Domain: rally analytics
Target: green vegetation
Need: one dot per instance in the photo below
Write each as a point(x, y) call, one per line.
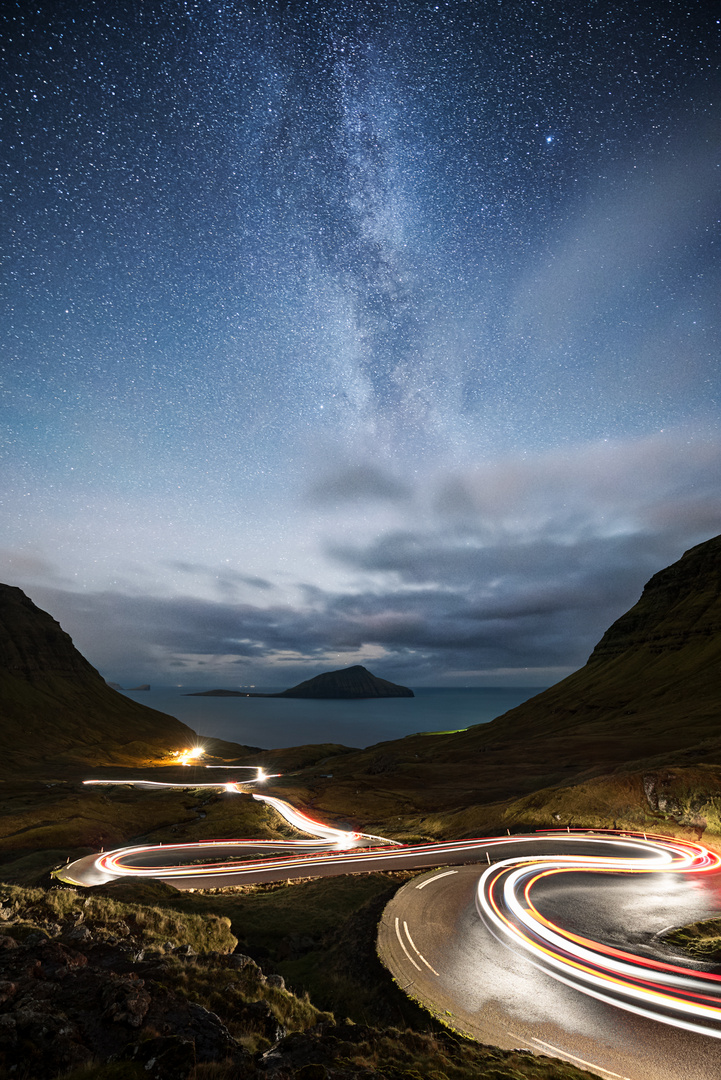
point(453, 731)
point(702, 940)
point(48, 910)
point(228, 991)
point(319, 934)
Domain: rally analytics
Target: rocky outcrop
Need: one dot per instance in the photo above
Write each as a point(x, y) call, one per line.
point(352, 682)
point(67, 1009)
point(68, 1005)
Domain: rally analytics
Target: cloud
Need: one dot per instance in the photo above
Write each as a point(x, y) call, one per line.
point(605, 486)
point(541, 608)
point(419, 631)
point(640, 221)
point(224, 579)
point(28, 566)
point(513, 566)
point(357, 483)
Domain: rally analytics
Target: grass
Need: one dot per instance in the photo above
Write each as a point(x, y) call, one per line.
point(227, 992)
point(702, 940)
point(104, 916)
point(319, 934)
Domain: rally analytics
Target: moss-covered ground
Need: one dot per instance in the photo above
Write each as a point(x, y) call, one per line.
point(257, 1009)
point(702, 940)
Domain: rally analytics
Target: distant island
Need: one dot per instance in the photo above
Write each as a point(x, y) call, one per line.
point(346, 684)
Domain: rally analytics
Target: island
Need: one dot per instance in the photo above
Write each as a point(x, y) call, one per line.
point(347, 684)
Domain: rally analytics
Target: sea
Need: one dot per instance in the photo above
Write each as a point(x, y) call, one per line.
point(272, 722)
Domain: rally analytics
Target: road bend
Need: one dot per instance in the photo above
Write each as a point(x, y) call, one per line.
point(551, 942)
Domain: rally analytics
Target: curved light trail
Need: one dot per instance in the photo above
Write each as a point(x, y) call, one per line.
point(651, 988)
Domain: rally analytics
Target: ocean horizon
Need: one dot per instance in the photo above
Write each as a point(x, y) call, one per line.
point(275, 722)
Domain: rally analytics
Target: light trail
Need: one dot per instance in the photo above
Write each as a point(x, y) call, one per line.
point(259, 778)
point(669, 993)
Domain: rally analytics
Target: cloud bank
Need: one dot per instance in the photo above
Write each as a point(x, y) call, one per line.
point(505, 572)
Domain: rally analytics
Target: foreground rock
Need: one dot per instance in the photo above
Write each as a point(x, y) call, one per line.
point(67, 1006)
point(76, 1000)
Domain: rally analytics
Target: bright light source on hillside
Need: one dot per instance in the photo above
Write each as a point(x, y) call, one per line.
point(188, 757)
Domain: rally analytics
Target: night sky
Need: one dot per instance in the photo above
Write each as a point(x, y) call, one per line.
point(369, 332)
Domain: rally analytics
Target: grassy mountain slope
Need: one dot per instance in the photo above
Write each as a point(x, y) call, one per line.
point(649, 695)
point(56, 708)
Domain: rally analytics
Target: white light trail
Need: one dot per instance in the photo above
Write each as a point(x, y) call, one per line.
point(669, 993)
point(651, 988)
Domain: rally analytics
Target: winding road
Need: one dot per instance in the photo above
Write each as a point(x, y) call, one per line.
point(551, 942)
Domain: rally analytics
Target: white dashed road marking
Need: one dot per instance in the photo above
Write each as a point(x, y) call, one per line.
point(436, 878)
point(402, 944)
point(415, 947)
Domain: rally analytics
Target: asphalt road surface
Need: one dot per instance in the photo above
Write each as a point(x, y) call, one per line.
point(442, 954)
point(550, 942)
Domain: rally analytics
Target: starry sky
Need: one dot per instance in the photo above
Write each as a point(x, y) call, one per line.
point(372, 332)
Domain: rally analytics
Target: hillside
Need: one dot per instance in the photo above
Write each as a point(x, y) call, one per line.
point(56, 709)
point(648, 696)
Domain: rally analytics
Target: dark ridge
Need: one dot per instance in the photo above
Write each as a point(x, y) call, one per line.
point(679, 607)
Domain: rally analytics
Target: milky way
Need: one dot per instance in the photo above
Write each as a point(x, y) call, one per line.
point(378, 332)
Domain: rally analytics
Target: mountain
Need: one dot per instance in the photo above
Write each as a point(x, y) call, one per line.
point(352, 682)
point(56, 708)
point(647, 697)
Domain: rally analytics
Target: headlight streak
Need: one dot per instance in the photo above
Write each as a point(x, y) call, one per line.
point(668, 993)
point(119, 863)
